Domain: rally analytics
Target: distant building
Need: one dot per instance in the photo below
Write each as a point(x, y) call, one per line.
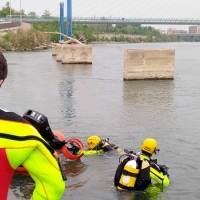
point(15, 11)
point(182, 31)
point(171, 31)
point(194, 29)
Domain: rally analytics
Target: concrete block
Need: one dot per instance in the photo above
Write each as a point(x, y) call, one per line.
point(149, 64)
point(75, 53)
point(54, 49)
point(59, 52)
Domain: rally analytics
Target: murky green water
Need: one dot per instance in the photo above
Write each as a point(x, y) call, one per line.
point(82, 100)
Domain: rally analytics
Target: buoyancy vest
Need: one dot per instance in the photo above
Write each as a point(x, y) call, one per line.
point(143, 179)
point(133, 174)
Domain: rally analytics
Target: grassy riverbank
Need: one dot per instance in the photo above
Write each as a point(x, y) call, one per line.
point(22, 40)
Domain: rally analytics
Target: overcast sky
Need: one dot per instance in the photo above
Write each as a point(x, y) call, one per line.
point(114, 8)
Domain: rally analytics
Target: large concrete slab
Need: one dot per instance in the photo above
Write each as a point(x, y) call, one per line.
point(75, 53)
point(140, 64)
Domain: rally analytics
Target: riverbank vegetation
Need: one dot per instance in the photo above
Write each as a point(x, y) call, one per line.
point(107, 33)
point(37, 39)
point(24, 40)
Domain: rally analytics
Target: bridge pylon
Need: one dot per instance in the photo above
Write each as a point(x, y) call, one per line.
point(62, 21)
point(69, 18)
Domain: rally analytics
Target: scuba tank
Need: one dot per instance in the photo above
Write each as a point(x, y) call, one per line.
point(127, 172)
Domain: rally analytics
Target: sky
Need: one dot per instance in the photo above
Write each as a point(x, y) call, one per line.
point(115, 8)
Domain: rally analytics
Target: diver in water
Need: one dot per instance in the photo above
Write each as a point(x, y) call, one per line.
point(136, 170)
point(22, 144)
point(96, 145)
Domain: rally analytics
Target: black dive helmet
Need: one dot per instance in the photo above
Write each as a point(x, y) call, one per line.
point(40, 122)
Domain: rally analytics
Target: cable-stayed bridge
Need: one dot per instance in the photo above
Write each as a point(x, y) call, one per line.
point(108, 20)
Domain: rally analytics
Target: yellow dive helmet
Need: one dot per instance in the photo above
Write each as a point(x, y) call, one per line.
point(93, 141)
point(149, 146)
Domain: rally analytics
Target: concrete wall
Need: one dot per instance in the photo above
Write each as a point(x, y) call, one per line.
point(75, 53)
point(149, 64)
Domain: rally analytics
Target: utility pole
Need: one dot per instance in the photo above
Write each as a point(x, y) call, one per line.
point(20, 12)
point(69, 18)
point(10, 12)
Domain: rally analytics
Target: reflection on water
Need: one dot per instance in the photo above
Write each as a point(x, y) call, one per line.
point(149, 92)
point(151, 99)
point(66, 93)
point(128, 195)
point(22, 184)
point(73, 76)
point(75, 70)
point(73, 168)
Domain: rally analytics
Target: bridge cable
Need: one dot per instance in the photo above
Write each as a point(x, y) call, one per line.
point(88, 6)
point(159, 9)
point(187, 8)
point(131, 9)
point(42, 11)
point(196, 8)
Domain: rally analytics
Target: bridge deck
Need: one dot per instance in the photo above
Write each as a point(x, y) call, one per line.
point(107, 20)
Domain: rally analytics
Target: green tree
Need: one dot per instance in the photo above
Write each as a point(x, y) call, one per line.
point(32, 14)
point(46, 13)
point(5, 10)
point(23, 12)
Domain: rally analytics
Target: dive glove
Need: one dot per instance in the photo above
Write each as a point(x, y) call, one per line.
point(55, 143)
point(164, 170)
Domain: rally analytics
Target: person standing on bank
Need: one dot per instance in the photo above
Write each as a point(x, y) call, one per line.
point(136, 170)
point(21, 144)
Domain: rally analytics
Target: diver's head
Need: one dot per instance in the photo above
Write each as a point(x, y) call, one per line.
point(93, 141)
point(3, 68)
point(149, 147)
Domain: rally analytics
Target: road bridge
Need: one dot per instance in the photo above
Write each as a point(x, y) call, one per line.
point(108, 20)
point(192, 35)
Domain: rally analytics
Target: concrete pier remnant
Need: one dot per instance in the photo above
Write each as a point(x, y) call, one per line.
point(144, 64)
point(59, 50)
point(73, 53)
point(54, 47)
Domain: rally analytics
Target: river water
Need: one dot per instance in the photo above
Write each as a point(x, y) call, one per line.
point(83, 100)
